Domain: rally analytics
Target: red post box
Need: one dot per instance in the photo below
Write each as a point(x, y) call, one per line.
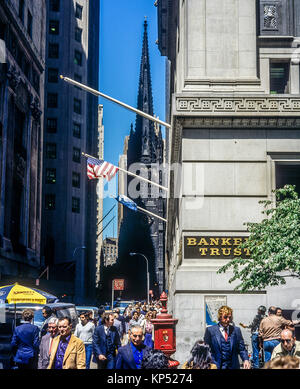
point(165, 332)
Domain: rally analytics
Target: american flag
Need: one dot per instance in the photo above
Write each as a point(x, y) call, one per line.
point(98, 168)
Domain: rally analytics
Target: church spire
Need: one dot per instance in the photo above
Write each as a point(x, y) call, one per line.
point(145, 100)
point(144, 127)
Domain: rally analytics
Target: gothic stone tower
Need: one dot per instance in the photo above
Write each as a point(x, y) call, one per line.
point(139, 232)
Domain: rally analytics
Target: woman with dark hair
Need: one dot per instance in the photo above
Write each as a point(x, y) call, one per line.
point(155, 359)
point(201, 357)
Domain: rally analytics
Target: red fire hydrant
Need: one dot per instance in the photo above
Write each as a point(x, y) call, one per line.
point(165, 332)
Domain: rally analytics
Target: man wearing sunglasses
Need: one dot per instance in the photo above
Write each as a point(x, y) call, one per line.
point(270, 329)
point(288, 345)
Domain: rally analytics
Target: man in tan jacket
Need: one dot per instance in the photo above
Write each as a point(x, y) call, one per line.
point(270, 329)
point(67, 351)
point(288, 345)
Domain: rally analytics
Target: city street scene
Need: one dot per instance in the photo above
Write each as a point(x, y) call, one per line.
point(149, 186)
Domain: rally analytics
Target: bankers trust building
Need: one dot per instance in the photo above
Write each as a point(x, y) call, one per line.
point(234, 106)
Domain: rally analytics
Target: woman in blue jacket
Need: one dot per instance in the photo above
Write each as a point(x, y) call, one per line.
point(25, 342)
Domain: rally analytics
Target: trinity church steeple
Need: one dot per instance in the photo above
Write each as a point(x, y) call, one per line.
point(140, 233)
point(144, 128)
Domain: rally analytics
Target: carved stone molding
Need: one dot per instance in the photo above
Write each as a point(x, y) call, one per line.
point(241, 106)
point(219, 122)
point(35, 108)
point(13, 77)
point(176, 139)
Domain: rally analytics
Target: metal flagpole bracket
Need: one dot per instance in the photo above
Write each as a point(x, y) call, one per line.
point(97, 93)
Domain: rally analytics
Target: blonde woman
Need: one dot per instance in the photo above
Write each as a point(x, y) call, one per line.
point(148, 330)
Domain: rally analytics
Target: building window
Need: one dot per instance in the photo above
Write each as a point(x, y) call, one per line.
point(50, 176)
point(50, 202)
point(29, 24)
point(78, 78)
point(51, 125)
point(77, 106)
point(21, 10)
point(76, 180)
point(78, 11)
point(270, 17)
point(54, 27)
point(279, 77)
point(78, 34)
point(76, 155)
point(54, 5)
point(287, 173)
point(53, 50)
point(52, 100)
point(75, 204)
point(51, 150)
point(77, 130)
point(52, 75)
point(78, 58)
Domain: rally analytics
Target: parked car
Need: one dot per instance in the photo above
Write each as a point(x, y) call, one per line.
point(80, 309)
point(59, 310)
point(122, 304)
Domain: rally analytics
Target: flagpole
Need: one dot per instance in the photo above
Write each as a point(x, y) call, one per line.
point(132, 174)
point(150, 213)
point(97, 93)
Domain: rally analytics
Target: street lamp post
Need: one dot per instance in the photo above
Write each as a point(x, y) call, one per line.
point(132, 254)
point(79, 274)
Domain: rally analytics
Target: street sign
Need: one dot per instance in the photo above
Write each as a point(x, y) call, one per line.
point(118, 284)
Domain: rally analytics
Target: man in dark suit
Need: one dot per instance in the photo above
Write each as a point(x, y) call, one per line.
point(25, 342)
point(106, 341)
point(47, 342)
point(226, 342)
point(131, 355)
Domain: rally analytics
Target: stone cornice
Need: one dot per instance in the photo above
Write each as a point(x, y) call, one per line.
point(245, 122)
point(258, 106)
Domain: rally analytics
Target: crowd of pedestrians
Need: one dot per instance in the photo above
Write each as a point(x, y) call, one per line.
point(126, 341)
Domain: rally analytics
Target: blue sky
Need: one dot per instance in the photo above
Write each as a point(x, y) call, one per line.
point(121, 34)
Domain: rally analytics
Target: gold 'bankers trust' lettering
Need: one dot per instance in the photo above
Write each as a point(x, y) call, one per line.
point(208, 243)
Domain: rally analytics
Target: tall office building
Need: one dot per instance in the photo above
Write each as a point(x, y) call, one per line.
point(71, 127)
point(22, 64)
point(138, 232)
point(234, 108)
point(100, 155)
point(122, 181)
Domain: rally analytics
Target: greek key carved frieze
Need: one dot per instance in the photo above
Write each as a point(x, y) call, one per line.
point(238, 105)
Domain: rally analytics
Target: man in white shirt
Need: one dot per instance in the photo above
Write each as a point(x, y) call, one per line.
point(46, 343)
point(85, 331)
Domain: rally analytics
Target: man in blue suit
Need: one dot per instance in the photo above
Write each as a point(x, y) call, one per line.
point(25, 342)
point(131, 355)
point(106, 341)
point(226, 342)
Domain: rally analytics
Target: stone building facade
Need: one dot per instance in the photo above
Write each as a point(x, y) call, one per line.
point(234, 108)
point(22, 36)
point(71, 127)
